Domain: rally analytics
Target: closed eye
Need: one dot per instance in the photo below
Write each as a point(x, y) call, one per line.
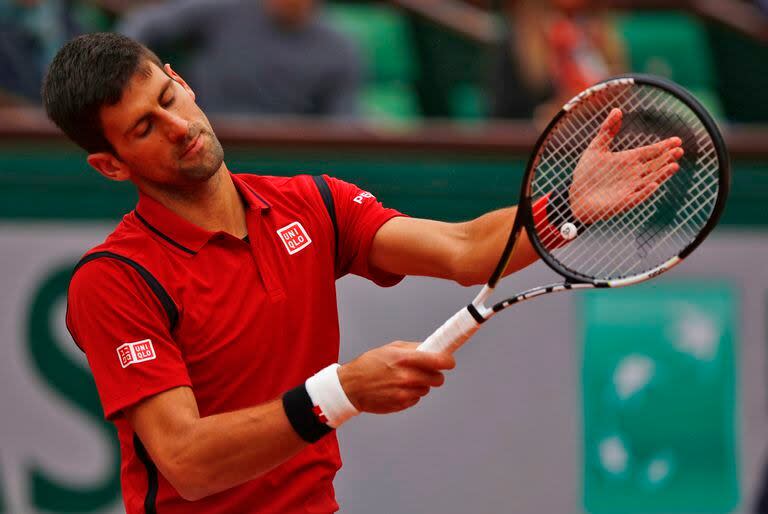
point(146, 131)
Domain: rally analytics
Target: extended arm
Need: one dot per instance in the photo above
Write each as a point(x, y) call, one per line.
point(467, 252)
point(464, 252)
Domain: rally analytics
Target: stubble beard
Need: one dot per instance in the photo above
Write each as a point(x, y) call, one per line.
point(212, 157)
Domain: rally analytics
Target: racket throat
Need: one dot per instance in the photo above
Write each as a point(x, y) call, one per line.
point(479, 311)
point(538, 291)
point(476, 313)
point(482, 297)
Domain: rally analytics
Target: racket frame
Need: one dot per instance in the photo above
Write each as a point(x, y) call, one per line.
point(525, 204)
point(462, 325)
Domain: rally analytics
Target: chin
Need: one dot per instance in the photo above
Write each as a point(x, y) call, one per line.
point(200, 173)
point(210, 164)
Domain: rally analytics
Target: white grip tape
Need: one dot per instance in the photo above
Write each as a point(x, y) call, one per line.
point(452, 334)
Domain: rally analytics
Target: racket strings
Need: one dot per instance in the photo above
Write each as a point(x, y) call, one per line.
point(639, 217)
point(640, 237)
point(589, 127)
point(587, 131)
point(582, 134)
point(575, 132)
point(558, 212)
point(642, 216)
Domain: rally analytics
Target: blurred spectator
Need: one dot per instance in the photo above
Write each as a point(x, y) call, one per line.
point(555, 49)
point(249, 56)
point(31, 31)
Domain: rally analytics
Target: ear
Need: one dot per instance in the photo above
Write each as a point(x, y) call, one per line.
point(109, 166)
point(177, 78)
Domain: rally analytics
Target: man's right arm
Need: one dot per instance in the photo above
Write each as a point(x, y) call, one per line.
point(201, 456)
point(110, 304)
point(187, 448)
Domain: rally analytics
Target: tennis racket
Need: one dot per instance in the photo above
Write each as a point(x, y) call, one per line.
point(625, 182)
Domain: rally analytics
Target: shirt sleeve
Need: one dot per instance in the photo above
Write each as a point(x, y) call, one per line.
point(359, 215)
point(116, 319)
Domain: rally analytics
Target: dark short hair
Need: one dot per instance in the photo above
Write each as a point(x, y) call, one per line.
point(89, 72)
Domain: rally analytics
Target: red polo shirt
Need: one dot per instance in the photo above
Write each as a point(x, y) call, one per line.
point(165, 303)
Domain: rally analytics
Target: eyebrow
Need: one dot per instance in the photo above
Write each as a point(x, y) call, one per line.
point(146, 116)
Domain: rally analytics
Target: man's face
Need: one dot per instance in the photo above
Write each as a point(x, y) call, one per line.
point(160, 134)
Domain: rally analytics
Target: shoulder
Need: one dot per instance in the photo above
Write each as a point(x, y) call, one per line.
point(128, 256)
point(101, 274)
point(106, 282)
point(129, 239)
point(128, 273)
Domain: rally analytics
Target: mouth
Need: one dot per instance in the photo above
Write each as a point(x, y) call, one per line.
point(193, 147)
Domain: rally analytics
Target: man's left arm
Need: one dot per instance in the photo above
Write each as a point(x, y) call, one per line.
point(465, 252)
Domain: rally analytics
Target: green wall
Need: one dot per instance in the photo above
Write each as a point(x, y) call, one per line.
point(659, 396)
point(52, 180)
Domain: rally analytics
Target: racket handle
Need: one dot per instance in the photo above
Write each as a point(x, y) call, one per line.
point(452, 334)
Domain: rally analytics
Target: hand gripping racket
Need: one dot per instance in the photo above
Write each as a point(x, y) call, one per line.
point(624, 183)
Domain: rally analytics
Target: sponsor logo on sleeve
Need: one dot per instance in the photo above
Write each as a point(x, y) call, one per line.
point(134, 353)
point(362, 196)
point(294, 237)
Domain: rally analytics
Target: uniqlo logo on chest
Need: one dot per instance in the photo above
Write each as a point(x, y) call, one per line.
point(133, 353)
point(294, 237)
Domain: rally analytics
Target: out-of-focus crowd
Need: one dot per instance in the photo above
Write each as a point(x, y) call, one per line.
point(334, 59)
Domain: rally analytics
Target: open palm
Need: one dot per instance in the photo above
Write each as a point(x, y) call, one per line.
point(607, 183)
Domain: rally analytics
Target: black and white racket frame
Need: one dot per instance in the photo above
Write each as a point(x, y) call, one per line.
point(462, 325)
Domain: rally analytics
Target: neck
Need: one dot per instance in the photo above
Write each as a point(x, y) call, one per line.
point(214, 205)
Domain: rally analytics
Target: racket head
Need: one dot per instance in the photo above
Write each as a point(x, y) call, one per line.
point(655, 234)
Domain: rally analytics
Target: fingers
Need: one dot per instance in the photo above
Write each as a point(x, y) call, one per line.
point(406, 345)
point(422, 370)
point(650, 152)
point(608, 130)
point(410, 386)
point(662, 174)
point(642, 194)
point(393, 377)
point(653, 166)
point(651, 183)
point(429, 361)
point(423, 360)
point(415, 378)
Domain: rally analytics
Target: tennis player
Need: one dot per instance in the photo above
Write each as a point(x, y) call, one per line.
point(208, 316)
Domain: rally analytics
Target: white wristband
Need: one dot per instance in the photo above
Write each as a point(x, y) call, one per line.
point(325, 391)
